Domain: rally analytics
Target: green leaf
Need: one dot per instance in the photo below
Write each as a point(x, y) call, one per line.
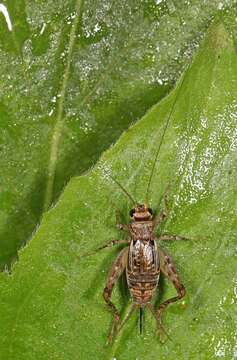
point(51, 306)
point(74, 75)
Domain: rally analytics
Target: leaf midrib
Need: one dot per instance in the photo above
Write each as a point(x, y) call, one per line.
point(60, 120)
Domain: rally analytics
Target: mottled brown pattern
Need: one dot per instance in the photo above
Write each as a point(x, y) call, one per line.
point(143, 268)
point(143, 261)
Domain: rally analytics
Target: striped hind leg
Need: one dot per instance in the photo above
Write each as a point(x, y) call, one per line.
point(168, 268)
point(114, 273)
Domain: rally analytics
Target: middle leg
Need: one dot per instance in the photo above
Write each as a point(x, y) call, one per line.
point(176, 237)
point(111, 243)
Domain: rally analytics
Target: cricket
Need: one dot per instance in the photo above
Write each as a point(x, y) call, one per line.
point(142, 259)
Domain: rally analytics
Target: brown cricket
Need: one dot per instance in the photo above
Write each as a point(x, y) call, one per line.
point(142, 259)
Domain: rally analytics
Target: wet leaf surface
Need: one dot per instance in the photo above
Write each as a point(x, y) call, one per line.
point(51, 304)
point(74, 76)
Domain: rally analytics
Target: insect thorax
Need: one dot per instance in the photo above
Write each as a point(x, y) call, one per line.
point(142, 230)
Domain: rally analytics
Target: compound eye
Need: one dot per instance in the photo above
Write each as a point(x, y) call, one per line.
point(150, 211)
point(132, 212)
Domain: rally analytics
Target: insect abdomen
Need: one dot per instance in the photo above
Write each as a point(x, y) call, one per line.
point(142, 287)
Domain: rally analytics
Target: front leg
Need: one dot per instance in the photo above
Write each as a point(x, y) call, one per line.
point(120, 226)
point(168, 268)
point(164, 212)
point(116, 270)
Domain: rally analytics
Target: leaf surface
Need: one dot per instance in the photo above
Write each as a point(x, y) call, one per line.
point(74, 75)
point(51, 306)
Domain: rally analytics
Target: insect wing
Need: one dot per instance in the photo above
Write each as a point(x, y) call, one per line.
point(143, 257)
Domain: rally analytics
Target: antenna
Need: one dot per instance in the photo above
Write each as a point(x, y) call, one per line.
point(122, 188)
point(162, 137)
